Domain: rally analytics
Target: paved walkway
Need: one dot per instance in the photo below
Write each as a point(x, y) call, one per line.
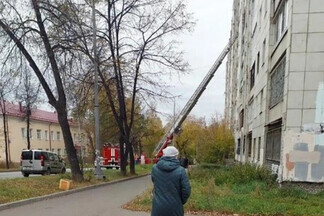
point(102, 201)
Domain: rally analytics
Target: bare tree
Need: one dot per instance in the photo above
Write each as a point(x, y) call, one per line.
point(5, 128)
point(139, 36)
point(6, 87)
point(28, 93)
point(31, 32)
point(137, 48)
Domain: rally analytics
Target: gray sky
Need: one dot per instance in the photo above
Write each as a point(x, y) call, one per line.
point(202, 48)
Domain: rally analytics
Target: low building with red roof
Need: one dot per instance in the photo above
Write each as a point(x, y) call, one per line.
point(45, 132)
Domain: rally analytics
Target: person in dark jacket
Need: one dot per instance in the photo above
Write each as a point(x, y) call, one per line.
point(171, 185)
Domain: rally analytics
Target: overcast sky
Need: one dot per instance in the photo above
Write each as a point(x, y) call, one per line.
point(202, 48)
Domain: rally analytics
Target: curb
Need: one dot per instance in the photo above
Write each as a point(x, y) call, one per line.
point(63, 193)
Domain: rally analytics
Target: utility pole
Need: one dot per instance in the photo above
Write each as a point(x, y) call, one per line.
point(98, 171)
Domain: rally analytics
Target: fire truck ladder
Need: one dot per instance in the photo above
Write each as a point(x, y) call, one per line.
point(167, 139)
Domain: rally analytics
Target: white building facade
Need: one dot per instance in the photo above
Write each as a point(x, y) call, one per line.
point(275, 86)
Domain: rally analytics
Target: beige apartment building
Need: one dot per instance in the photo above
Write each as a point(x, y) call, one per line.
point(45, 133)
point(275, 86)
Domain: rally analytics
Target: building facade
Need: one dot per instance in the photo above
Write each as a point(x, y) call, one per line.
point(45, 133)
point(275, 86)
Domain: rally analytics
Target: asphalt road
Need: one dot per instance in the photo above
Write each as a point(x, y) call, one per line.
point(10, 175)
point(4, 175)
point(17, 174)
point(102, 201)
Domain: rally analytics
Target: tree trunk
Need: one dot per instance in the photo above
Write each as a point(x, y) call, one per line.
point(5, 134)
point(123, 156)
point(131, 159)
point(60, 104)
point(28, 129)
point(93, 149)
point(73, 159)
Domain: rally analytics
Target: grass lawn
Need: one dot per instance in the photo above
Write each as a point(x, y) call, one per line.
point(241, 190)
point(24, 188)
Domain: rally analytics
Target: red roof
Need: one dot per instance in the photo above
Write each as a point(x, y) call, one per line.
point(36, 114)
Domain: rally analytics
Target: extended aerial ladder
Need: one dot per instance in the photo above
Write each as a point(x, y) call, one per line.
point(167, 139)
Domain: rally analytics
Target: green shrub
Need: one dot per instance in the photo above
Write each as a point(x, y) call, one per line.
point(236, 174)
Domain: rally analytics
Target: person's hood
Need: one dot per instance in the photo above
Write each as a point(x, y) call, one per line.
point(168, 163)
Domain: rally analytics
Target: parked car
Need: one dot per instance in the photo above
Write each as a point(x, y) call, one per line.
point(41, 162)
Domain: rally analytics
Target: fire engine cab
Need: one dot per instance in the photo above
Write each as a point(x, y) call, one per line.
point(110, 157)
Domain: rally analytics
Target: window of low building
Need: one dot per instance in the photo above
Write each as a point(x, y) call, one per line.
point(39, 134)
point(58, 135)
point(23, 133)
point(52, 135)
point(46, 135)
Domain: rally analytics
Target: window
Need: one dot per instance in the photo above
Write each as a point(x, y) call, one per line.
point(253, 147)
point(258, 63)
point(238, 149)
point(259, 149)
point(52, 135)
point(244, 142)
point(31, 133)
point(281, 20)
point(259, 16)
point(263, 51)
point(250, 110)
point(241, 116)
point(252, 76)
point(27, 155)
point(46, 135)
point(277, 82)
point(249, 137)
point(23, 133)
point(261, 101)
point(39, 134)
point(273, 145)
point(265, 7)
point(58, 135)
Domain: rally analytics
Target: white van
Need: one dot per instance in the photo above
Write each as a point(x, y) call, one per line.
point(40, 162)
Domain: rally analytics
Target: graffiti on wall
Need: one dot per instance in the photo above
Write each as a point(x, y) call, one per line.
point(304, 159)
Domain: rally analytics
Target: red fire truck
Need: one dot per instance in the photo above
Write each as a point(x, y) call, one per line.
point(110, 157)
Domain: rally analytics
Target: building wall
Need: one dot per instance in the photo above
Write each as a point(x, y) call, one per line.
point(303, 152)
point(18, 142)
point(284, 134)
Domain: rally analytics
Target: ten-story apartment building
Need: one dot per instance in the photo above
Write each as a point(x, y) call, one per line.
point(275, 86)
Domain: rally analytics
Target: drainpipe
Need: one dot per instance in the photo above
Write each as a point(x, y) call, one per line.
point(49, 136)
